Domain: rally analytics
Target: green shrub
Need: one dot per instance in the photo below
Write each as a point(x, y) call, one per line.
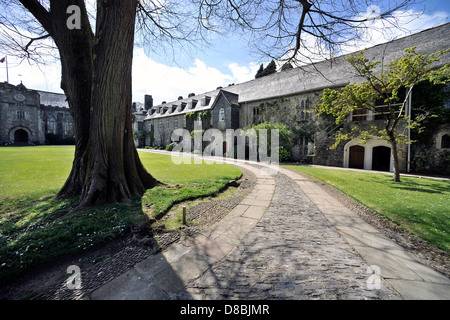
point(285, 154)
point(170, 146)
point(432, 161)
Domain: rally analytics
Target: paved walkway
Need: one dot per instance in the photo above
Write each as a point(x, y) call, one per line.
point(288, 239)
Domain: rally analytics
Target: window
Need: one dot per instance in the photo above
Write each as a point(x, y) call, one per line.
point(20, 104)
point(307, 110)
point(381, 111)
point(359, 114)
point(304, 110)
point(445, 142)
point(222, 114)
point(20, 115)
point(256, 115)
point(205, 101)
point(51, 125)
point(68, 128)
point(447, 94)
point(176, 124)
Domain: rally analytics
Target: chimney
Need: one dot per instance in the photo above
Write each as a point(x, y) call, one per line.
point(148, 102)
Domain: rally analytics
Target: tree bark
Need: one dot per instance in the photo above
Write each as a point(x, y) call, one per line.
point(76, 55)
point(114, 172)
point(96, 78)
point(393, 143)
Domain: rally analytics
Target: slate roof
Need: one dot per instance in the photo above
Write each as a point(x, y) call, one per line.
point(53, 99)
point(325, 74)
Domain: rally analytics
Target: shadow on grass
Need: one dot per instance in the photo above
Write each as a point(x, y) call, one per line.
point(40, 231)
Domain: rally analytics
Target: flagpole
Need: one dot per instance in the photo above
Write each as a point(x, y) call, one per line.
point(7, 73)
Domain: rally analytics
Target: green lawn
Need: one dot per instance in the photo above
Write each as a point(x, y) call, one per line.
point(35, 227)
point(419, 205)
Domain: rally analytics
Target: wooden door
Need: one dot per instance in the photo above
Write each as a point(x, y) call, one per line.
point(356, 157)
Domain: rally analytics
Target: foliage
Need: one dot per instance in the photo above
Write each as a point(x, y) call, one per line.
point(432, 161)
point(401, 73)
point(392, 87)
point(170, 146)
point(270, 69)
point(259, 72)
point(429, 98)
point(416, 204)
point(285, 154)
point(140, 136)
point(286, 66)
point(199, 132)
point(285, 135)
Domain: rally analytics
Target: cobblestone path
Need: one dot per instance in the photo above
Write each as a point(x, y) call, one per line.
point(292, 253)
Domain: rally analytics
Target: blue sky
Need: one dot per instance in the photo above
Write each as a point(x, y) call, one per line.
point(226, 60)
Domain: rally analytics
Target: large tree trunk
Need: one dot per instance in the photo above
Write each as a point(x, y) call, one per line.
point(114, 172)
point(76, 54)
point(96, 78)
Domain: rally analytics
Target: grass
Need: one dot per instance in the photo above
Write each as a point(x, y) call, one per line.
point(419, 205)
point(36, 227)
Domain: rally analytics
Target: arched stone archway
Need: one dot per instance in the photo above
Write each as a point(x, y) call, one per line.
point(381, 158)
point(21, 136)
point(375, 154)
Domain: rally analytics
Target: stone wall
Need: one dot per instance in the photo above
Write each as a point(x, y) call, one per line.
point(293, 111)
point(20, 116)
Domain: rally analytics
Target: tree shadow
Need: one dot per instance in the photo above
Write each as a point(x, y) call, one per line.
point(100, 258)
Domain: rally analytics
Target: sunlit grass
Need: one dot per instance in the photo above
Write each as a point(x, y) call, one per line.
point(419, 205)
point(36, 227)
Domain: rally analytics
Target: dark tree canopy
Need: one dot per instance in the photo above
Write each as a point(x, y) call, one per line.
point(270, 69)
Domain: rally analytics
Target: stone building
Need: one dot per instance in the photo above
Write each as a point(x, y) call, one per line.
point(30, 117)
point(288, 97)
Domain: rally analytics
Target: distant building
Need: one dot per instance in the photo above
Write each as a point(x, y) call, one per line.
point(288, 97)
point(30, 117)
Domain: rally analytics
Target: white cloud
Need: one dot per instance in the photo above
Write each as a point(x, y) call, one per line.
point(383, 30)
point(243, 73)
point(39, 77)
point(167, 83)
point(373, 32)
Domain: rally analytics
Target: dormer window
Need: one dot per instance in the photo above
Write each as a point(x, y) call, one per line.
point(205, 101)
point(192, 104)
point(181, 106)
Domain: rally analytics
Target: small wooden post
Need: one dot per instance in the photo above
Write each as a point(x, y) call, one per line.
point(184, 215)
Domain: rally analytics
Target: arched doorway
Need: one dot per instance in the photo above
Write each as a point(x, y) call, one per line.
point(381, 158)
point(356, 157)
point(20, 136)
